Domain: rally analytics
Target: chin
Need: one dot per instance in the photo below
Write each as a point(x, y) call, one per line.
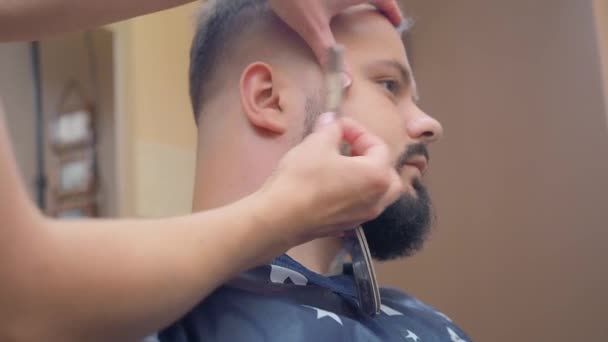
point(401, 230)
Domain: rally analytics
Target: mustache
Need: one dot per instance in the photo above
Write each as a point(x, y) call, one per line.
point(412, 151)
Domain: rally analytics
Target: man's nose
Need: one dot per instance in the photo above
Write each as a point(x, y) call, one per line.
point(424, 128)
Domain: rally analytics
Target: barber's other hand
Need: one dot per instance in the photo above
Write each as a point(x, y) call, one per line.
point(311, 18)
point(316, 191)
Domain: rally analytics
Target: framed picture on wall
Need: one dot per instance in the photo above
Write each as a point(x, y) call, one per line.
point(72, 125)
point(72, 129)
point(75, 174)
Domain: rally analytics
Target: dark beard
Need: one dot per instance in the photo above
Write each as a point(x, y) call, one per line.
point(401, 229)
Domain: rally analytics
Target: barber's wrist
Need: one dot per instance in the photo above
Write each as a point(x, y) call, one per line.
point(281, 216)
point(270, 228)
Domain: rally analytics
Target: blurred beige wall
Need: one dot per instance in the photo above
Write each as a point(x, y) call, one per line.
point(63, 59)
point(68, 58)
point(16, 84)
point(155, 140)
point(521, 176)
point(158, 135)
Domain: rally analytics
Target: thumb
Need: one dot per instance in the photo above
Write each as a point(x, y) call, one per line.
point(363, 142)
point(324, 120)
point(328, 130)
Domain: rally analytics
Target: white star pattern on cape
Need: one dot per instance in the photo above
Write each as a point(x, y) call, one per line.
point(323, 313)
point(389, 311)
point(444, 316)
point(454, 336)
point(412, 336)
point(279, 275)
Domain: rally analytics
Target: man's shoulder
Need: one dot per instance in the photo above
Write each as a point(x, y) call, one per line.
point(412, 311)
point(246, 312)
point(395, 298)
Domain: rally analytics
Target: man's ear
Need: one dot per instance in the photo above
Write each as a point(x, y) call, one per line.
point(260, 99)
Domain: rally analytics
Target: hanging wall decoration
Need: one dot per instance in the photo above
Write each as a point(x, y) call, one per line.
point(73, 172)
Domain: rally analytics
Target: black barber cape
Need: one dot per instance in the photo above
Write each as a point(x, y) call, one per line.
point(285, 301)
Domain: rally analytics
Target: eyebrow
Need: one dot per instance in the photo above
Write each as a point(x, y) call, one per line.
point(406, 75)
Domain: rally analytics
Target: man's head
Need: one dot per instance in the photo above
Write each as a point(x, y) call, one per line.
point(256, 90)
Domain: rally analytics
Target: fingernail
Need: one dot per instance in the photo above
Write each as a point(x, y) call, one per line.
point(346, 80)
point(326, 119)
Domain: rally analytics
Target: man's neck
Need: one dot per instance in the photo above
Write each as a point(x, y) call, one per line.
point(221, 182)
point(317, 255)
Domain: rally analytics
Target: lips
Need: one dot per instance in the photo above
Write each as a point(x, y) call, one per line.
point(415, 155)
point(420, 163)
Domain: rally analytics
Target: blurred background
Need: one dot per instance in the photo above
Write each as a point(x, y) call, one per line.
point(519, 181)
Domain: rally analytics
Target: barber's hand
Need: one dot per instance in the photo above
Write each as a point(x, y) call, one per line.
point(316, 191)
point(311, 18)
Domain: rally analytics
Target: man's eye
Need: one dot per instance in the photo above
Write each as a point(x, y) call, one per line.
point(390, 85)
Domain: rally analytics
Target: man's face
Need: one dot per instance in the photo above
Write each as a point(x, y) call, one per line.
point(382, 97)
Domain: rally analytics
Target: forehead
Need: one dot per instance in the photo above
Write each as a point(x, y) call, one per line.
point(368, 36)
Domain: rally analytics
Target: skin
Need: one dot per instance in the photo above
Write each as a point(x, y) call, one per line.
point(22, 20)
point(307, 18)
point(255, 132)
point(124, 279)
point(145, 284)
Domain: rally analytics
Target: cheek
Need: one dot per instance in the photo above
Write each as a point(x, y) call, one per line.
point(300, 110)
point(378, 114)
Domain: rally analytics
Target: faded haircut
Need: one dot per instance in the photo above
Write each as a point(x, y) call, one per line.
point(220, 24)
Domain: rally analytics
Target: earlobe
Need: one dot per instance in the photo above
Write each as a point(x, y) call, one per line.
point(260, 99)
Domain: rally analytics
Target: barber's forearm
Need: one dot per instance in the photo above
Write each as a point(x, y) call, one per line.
point(116, 279)
point(119, 280)
point(31, 19)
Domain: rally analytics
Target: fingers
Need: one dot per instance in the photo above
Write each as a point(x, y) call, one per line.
point(337, 192)
point(390, 9)
point(390, 196)
point(321, 42)
point(362, 142)
point(322, 38)
point(311, 19)
point(358, 137)
point(394, 191)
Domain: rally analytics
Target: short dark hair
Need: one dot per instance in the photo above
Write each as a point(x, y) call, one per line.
point(221, 22)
